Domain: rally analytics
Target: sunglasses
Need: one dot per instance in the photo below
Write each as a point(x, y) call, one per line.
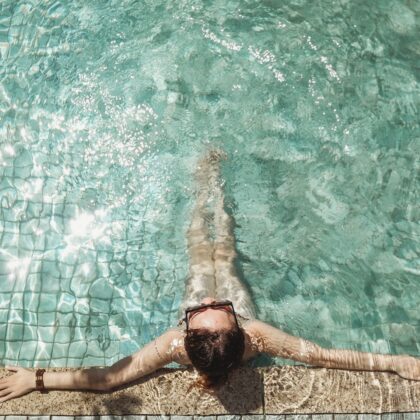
point(223, 304)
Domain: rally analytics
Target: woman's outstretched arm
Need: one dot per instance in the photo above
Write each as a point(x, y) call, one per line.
point(153, 356)
point(275, 342)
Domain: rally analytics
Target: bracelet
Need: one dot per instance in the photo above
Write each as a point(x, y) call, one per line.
point(39, 381)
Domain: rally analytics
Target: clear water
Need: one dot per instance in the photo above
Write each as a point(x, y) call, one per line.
point(105, 106)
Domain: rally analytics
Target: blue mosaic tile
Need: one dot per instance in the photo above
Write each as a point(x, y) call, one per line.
point(60, 351)
point(15, 332)
point(28, 350)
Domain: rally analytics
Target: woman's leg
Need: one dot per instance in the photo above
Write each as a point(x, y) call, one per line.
point(228, 284)
point(201, 280)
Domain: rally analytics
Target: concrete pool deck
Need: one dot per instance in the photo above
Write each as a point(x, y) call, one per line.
point(285, 390)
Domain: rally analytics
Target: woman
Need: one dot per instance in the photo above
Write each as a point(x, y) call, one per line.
point(215, 336)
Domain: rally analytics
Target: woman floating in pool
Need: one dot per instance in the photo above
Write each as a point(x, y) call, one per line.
point(218, 330)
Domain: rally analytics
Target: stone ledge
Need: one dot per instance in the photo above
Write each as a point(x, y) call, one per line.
point(274, 390)
point(298, 390)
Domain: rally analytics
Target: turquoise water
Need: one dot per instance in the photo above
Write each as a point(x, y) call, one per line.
point(105, 107)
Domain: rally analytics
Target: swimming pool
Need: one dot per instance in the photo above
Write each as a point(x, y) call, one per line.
point(105, 108)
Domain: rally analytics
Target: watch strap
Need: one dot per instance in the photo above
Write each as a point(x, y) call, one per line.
point(39, 381)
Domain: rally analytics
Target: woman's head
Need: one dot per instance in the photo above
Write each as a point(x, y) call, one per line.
point(214, 342)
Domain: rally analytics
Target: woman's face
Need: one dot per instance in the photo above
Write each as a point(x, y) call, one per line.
point(212, 319)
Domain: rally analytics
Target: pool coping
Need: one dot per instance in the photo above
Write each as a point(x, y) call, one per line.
point(250, 391)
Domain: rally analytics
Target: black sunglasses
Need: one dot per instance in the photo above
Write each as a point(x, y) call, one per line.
point(215, 305)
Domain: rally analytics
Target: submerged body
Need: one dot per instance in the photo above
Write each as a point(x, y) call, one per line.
point(212, 277)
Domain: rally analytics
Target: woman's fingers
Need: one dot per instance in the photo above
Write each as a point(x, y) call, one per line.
point(5, 382)
point(7, 397)
point(5, 392)
point(13, 386)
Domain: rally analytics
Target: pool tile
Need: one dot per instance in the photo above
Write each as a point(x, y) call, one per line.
point(93, 361)
point(13, 349)
point(26, 242)
point(38, 418)
point(14, 332)
point(29, 332)
point(47, 301)
point(6, 284)
point(60, 351)
point(369, 417)
point(158, 417)
point(254, 417)
point(297, 417)
point(392, 416)
point(46, 319)
point(62, 418)
point(204, 417)
point(411, 416)
point(44, 351)
point(78, 349)
point(110, 417)
point(345, 416)
point(84, 418)
point(45, 334)
point(15, 417)
point(3, 331)
point(226, 418)
point(63, 335)
point(73, 362)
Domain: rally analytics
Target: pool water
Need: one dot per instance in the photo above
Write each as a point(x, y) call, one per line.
point(105, 108)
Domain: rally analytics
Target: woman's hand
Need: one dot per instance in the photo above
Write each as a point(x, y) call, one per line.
point(21, 383)
point(407, 367)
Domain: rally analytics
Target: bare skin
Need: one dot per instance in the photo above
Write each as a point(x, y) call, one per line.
point(211, 262)
point(212, 319)
point(259, 337)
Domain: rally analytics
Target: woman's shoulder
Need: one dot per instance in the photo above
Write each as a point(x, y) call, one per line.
point(177, 347)
point(250, 325)
point(253, 341)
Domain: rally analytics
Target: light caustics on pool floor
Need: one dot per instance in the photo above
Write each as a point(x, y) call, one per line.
point(105, 109)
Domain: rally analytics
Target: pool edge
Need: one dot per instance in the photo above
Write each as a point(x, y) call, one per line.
point(285, 390)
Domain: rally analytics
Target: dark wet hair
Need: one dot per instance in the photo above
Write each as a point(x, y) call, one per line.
point(214, 353)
